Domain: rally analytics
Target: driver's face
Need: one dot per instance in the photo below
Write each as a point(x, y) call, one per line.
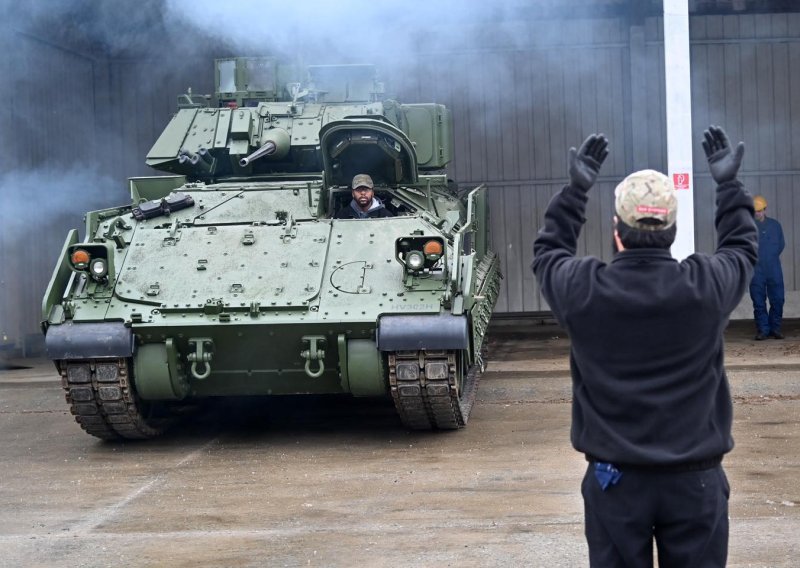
point(363, 196)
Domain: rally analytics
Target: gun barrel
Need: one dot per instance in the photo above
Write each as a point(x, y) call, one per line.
point(276, 144)
point(266, 150)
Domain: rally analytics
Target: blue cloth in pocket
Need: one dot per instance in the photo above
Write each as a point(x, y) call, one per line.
point(606, 474)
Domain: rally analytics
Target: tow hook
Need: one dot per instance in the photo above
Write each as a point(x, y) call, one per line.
point(203, 352)
point(314, 352)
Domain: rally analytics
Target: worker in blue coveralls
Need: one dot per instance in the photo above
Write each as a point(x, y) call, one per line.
point(651, 404)
point(767, 280)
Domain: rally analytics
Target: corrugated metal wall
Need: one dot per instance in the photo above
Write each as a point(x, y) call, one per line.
point(518, 102)
point(74, 127)
point(47, 127)
point(141, 97)
point(517, 110)
point(747, 75)
point(520, 108)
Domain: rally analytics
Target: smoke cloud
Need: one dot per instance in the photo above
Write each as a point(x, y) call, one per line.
point(337, 31)
point(65, 147)
point(37, 207)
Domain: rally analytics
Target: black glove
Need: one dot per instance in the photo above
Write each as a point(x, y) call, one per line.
point(723, 162)
point(584, 164)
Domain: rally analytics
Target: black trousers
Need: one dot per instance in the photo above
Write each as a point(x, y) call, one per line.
point(686, 513)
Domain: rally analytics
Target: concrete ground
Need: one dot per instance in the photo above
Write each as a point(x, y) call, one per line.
point(321, 482)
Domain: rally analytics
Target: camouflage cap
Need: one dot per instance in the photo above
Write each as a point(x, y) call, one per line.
point(362, 180)
point(646, 194)
point(759, 203)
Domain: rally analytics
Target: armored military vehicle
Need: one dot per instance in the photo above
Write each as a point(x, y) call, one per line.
point(230, 276)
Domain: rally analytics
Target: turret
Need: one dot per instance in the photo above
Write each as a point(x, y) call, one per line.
point(261, 121)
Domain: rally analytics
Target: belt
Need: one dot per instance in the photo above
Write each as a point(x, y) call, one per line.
point(662, 468)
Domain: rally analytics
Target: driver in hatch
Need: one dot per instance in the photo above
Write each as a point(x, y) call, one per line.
point(364, 204)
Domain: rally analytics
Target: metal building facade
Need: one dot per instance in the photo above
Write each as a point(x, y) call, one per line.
point(536, 102)
point(518, 104)
point(47, 130)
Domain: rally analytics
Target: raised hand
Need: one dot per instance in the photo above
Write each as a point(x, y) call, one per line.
point(585, 163)
point(723, 162)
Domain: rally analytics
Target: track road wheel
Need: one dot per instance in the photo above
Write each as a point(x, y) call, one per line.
point(431, 390)
point(104, 402)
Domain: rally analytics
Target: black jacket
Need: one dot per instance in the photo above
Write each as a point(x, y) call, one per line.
point(646, 334)
point(349, 212)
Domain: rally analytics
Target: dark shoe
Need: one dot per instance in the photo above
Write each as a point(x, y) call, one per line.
point(760, 337)
point(776, 335)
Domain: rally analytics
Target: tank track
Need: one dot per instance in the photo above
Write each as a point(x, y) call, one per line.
point(427, 392)
point(487, 278)
point(103, 401)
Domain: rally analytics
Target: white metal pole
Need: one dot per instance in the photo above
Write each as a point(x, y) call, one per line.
point(678, 96)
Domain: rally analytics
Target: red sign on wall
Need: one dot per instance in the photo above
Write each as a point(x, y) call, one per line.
point(680, 181)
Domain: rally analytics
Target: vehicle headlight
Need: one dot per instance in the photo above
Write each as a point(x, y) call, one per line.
point(95, 260)
point(98, 268)
point(415, 260)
